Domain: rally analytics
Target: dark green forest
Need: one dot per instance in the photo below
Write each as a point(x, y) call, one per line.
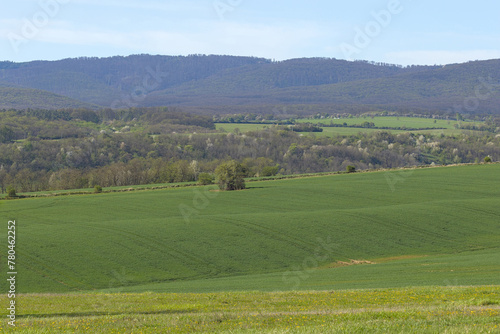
point(211, 84)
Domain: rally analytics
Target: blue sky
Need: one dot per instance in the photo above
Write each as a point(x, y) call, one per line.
point(393, 31)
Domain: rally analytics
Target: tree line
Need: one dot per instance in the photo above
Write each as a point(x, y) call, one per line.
point(43, 124)
point(120, 159)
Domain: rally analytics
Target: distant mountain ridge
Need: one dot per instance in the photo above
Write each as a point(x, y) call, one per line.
point(223, 81)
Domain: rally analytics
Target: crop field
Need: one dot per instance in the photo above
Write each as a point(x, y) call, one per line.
point(392, 122)
point(107, 189)
point(327, 132)
point(231, 127)
point(440, 126)
point(162, 237)
point(396, 229)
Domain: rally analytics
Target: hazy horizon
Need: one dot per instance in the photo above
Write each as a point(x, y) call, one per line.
point(250, 56)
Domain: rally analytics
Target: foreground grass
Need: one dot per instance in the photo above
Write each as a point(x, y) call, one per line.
point(408, 310)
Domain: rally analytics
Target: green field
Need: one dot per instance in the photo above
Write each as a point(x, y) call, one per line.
point(440, 126)
point(90, 260)
point(230, 127)
point(392, 122)
point(86, 191)
point(142, 241)
point(327, 131)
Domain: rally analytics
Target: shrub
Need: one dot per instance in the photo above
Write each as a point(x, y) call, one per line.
point(97, 189)
point(350, 169)
point(487, 159)
point(270, 171)
point(205, 179)
point(11, 192)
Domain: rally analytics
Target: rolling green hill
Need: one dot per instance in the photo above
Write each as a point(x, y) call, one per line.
point(380, 229)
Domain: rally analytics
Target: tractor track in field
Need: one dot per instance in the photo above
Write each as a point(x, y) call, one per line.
point(409, 227)
point(44, 270)
point(193, 263)
point(482, 212)
point(273, 234)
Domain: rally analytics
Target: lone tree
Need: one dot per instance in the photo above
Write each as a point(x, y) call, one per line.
point(487, 159)
point(230, 176)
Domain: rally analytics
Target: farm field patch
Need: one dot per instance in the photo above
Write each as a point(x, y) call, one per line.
point(431, 126)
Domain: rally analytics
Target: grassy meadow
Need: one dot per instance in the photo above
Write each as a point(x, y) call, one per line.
point(231, 127)
point(411, 310)
point(198, 260)
point(437, 126)
point(327, 132)
point(389, 121)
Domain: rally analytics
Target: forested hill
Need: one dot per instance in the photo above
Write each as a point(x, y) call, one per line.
point(13, 97)
point(101, 81)
point(219, 82)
